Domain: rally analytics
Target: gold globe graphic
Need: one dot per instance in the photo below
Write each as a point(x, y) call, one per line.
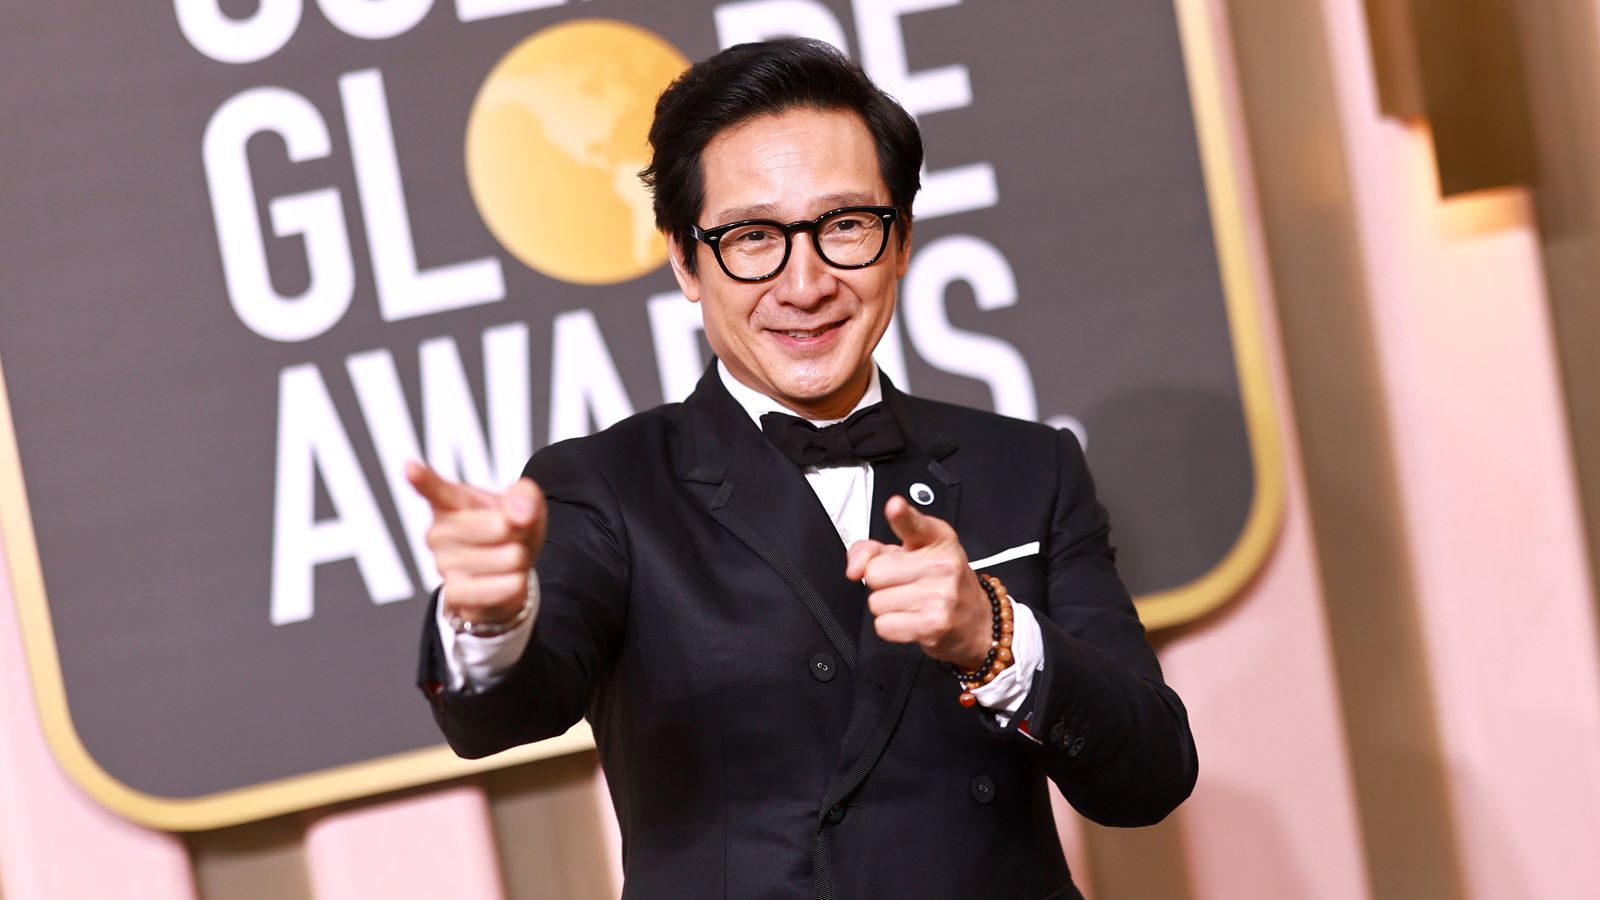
point(555, 142)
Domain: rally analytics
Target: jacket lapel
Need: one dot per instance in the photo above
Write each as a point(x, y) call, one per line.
point(917, 474)
point(763, 499)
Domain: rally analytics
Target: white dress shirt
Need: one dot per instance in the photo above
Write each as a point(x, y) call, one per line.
point(845, 493)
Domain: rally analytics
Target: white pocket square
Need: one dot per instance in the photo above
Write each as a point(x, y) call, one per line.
point(1016, 552)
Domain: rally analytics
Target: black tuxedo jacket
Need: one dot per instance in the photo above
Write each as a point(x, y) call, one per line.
point(758, 738)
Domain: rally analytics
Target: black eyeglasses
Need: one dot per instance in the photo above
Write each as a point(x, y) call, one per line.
point(757, 249)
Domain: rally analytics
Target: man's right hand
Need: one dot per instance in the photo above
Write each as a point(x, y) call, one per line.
point(483, 543)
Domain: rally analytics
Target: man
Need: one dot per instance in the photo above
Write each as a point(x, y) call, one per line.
point(798, 685)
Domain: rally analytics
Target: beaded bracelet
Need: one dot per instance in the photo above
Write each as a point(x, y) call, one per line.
point(999, 656)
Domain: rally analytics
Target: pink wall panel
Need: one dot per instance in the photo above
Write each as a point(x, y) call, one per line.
point(1273, 814)
point(1488, 488)
point(425, 846)
point(56, 843)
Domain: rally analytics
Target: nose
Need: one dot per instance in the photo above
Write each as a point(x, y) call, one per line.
point(806, 280)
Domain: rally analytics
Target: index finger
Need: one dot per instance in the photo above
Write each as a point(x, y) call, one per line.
point(441, 493)
point(914, 529)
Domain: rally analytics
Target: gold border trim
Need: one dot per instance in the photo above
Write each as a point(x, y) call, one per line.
point(1219, 163)
point(1160, 610)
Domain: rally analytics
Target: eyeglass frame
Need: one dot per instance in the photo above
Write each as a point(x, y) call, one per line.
point(712, 237)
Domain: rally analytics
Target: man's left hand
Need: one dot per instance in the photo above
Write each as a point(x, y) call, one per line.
point(923, 591)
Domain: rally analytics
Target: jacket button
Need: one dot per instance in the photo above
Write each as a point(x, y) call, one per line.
point(1076, 747)
point(983, 789)
point(822, 667)
point(835, 814)
point(1056, 731)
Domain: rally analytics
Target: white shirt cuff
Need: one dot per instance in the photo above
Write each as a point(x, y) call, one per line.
point(476, 663)
point(1004, 695)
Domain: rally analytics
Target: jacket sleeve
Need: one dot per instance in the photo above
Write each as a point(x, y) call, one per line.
point(583, 578)
point(1111, 734)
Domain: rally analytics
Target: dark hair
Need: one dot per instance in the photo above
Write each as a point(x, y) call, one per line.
point(766, 78)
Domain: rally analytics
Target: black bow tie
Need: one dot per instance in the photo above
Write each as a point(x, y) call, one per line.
point(870, 435)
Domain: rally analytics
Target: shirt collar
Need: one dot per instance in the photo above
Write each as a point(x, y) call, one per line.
point(757, 404)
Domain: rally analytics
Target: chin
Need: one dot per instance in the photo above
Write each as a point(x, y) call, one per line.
point(810, 384)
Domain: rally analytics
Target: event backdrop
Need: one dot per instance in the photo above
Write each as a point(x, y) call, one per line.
point(259, 254)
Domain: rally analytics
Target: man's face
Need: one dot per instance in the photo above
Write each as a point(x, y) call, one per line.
point(805, 337)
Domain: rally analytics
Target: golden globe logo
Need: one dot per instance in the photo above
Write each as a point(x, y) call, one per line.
point(554, 145)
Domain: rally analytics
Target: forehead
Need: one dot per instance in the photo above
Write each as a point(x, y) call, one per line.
point(792, 165)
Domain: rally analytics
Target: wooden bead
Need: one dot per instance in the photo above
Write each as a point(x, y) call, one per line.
point(1004, 656)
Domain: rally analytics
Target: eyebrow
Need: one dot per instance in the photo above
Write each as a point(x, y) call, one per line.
point(770, 210)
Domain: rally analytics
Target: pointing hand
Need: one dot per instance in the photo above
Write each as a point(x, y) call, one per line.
point(923, 590)
point(484, 543)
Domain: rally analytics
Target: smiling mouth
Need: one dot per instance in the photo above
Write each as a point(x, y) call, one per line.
point(803, 334)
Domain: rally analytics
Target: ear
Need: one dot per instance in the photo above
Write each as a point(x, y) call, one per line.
point(902, 260)
point(687, 282)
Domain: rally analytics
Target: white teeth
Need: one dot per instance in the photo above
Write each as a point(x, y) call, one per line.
point(805, 334)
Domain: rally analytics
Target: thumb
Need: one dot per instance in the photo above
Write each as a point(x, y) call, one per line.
point(914, 529)
point(523, 503)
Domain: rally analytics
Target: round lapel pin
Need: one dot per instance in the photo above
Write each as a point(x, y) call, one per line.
point(921, 494)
